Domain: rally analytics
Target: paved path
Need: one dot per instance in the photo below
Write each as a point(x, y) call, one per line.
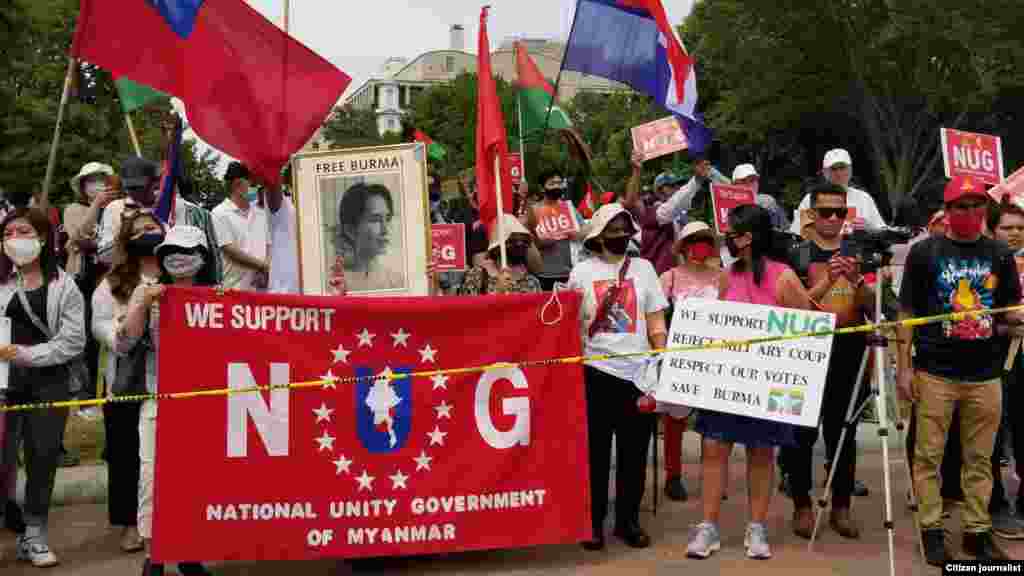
point(88, 548)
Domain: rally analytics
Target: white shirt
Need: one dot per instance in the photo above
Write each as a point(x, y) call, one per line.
point(641, 295)
point(284, 253)
point(247, 231)
point(855, 198)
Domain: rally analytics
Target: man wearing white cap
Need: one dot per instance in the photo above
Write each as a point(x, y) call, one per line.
point(837, 168)
point(746, 175)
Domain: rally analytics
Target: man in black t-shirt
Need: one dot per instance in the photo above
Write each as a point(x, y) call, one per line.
point(954, 361)
point(835, 283)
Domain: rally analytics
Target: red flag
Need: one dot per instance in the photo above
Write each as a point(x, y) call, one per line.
point(527, 74)
point(422, 465)
point(491, 139)
point(249, 89)
point(420, 136)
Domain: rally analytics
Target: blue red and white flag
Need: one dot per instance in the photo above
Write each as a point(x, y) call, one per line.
point(171, 171)
point(633, 42)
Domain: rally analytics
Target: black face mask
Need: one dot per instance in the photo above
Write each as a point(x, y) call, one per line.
point(553, 193)
point(144, 245)
point(617, 245)
point(516, 255)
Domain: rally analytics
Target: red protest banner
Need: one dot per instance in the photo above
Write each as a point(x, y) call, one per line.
point(969, 154)
point(659, 138)
point(1013, 186)
point(448, 246)
point(725, 197)
point(515, 167)
point(369, 468)
point(556, 222)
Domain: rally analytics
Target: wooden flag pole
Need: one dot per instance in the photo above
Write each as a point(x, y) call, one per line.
point(132, 135)
point(51, 163)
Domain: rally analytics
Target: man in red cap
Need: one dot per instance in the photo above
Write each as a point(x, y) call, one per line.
point(953, 362)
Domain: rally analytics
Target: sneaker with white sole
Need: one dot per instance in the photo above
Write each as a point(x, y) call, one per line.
point(704, 540)
point(756, 542)
point(36, 551)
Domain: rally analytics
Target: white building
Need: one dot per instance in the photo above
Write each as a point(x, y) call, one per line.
point(395, 87)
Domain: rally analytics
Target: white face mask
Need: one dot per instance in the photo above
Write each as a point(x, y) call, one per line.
point(22, 251)
point(94, 187)
point(183, 265)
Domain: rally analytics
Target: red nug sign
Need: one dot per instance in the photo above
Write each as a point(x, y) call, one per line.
point(448, 246)
point(514, 162)
point(724, 198)
point(970, 154)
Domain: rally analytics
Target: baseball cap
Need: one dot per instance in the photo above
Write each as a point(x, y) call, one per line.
point(962, 187)
point(837, 156)
point(666, 179)
point(137, 171)
point(743, 171)
point(186, 237)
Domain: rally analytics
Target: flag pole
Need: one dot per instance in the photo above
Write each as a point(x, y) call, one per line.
point(51, 163)
point(132, 135)
point(501, 212)
point(558, 79)
point(522, 146)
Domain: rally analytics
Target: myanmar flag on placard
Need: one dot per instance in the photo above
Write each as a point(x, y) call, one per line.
point(535, 97)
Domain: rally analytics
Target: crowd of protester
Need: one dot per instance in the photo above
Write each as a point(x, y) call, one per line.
point(83, 298)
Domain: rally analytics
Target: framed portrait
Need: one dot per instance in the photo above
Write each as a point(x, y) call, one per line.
point(363, 215)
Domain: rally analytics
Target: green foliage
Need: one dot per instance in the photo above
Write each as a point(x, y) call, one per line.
point(351, 127)
point(31, 80)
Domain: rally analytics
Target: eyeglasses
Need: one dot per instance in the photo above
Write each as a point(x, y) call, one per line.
point(827, 213)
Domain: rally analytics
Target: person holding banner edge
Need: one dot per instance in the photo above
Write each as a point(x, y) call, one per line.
point(623, 312)
point(758, 276)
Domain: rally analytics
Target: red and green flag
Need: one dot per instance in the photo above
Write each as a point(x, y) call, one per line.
point(435, 151)
point(134, 96)
point(535, 97)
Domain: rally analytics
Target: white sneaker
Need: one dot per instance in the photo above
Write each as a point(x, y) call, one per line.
point(704, 540)
point(756, 542)
point(36, 551)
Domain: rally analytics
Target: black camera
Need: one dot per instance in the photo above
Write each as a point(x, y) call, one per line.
point(872, 247)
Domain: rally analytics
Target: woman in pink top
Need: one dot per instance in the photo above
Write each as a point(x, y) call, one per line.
point(757, 277)
point(695, 277)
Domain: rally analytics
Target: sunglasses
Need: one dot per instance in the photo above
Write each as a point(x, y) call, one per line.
point(827, 213)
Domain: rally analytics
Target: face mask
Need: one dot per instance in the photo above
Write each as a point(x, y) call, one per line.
point(617, 245)
point(699, 252)
point(183, 265)
point(252, 194)
point(22, 251)
point(965, 224)
point(144, 245)
point(516, 255)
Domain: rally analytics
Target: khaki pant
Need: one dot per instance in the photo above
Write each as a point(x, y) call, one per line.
point(980, 408)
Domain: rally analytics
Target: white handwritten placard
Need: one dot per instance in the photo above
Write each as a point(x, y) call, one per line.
point(781, 381)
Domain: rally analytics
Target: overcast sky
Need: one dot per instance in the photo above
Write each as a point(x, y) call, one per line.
point(359, 36)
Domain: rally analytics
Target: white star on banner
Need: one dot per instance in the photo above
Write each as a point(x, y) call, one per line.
point(440, 381)
point(437, 437)
point(365, 481)
point(423, 461)
point(365, 338)
point(326, 442)
point(401, 339)
point(323, 413)
point(329, 380)
point(341, 355)
point(427, 354)
point(398, 480)
point(444, 410)
point(342, 464)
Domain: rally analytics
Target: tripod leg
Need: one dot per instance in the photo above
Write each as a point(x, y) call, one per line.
point(852, 414)
point(913, 491)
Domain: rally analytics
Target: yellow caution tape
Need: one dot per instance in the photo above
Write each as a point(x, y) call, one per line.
point(323, 383)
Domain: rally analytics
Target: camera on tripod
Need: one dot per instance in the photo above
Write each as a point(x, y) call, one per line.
point(872, 247)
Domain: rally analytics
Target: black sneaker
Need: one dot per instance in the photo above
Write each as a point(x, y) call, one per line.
point(675, 489)
point(981, 546)
point(934, 546)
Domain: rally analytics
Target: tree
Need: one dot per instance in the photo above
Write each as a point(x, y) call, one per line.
point(349, 126)
point(201, 168)
point(787, 80)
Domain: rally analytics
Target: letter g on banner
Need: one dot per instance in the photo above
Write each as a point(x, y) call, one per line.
point(517, 406)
